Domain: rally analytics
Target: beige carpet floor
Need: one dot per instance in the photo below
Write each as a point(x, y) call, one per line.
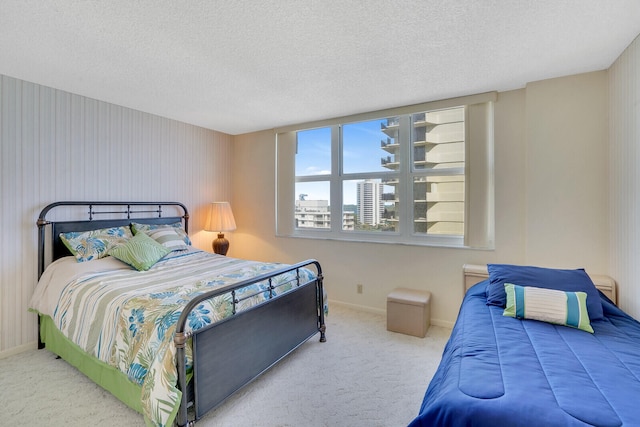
point(362, 376)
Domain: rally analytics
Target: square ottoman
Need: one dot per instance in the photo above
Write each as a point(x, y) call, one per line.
point(408, 311)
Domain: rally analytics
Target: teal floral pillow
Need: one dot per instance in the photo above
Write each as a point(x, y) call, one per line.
point(176, 226)
point(94, 244)
point(141, 252)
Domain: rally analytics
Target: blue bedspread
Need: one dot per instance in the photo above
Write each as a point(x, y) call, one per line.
point(501, 371)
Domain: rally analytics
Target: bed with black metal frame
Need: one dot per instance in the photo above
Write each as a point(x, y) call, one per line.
point(263, 334)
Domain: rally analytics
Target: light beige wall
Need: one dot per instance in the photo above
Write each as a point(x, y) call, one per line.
point(58, 146)
point(567, 175)
point(553, 236)
point(624, 202)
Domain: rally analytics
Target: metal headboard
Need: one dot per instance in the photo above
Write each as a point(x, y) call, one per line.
point(119, 213)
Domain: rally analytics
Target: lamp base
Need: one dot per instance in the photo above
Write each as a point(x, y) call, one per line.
point(221, 245)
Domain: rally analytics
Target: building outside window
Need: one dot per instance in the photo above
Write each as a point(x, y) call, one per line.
point(370, 207)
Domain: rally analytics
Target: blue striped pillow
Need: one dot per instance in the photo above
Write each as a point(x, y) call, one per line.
point(547, 305)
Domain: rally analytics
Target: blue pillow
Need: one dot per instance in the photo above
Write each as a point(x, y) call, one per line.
point(549, 278)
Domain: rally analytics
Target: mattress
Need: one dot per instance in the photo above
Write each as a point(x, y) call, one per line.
point(498, 370)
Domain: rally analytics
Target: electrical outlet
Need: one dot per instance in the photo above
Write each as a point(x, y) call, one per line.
point(359, 288)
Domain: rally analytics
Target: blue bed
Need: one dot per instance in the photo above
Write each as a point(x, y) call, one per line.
point(504, 371)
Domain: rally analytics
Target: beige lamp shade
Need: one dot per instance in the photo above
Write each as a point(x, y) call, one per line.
point(220, 219)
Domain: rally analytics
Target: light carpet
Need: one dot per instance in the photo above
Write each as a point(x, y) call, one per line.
point(362, 376)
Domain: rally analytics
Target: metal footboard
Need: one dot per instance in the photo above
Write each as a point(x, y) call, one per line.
point(235, 351)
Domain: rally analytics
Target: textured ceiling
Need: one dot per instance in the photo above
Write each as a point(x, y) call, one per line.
point(242, 66)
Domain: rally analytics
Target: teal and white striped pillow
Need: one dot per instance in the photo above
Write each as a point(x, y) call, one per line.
point(140, 252)
point(548, 305)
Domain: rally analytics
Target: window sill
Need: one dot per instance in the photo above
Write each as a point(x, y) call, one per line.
point(439, 243)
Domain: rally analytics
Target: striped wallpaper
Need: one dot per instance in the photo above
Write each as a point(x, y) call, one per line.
point(624, 185)
point(59, 146)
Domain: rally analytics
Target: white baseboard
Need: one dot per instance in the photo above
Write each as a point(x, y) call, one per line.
point(443, 323)
point(19, 349)
point(357, 307)
point(436, 322)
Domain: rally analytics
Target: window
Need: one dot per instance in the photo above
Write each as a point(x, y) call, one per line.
point(403, 177)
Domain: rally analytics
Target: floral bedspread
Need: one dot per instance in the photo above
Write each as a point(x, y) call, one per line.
point(127, 318)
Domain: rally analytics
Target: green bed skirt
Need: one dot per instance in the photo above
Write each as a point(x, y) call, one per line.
point(108, 377)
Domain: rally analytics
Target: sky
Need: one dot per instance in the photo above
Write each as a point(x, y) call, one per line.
point(361, 153)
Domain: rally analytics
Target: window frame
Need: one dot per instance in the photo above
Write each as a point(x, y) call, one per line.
point(405, 234)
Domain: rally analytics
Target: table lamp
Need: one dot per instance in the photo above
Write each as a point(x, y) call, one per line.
point(220, 220)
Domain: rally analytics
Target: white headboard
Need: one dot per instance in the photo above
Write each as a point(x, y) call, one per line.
point(477, 273)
